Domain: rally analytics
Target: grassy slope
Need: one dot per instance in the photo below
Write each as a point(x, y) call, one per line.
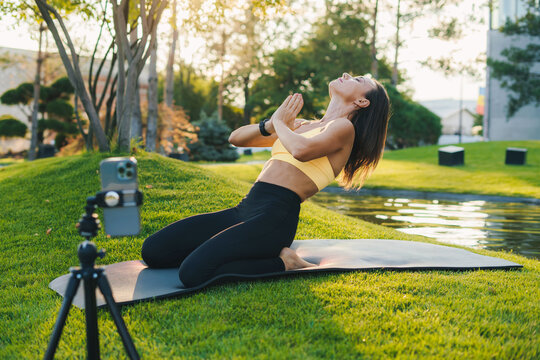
point(417, 168)
point(380, 314)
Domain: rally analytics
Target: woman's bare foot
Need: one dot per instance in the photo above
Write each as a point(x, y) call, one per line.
point(292, 260)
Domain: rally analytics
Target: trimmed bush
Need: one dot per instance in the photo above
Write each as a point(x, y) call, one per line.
point(58, 126)
point(213, 141)
point(60, 108)
point(11, 127)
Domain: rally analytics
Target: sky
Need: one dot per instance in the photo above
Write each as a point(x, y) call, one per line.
point(424, 83)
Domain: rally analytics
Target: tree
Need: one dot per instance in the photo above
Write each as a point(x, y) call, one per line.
point(226, 24)
point(56, 104)
point(131, 58)
point(174, 129)
point(212, 141)
point(407, 11)
point(374, 61)
point(53, 100)
point(11, 127)
point(37, 84)
point(151, 121)
point(192, 91)
point(23, 11)
point(20, 96)
point(72, 67)
point(169, 92)
point(411, 124)
point(519, 72)
point(451, 29)
point(249, 42)
point(340, 42)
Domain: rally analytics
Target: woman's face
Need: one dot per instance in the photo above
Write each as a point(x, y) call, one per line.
point(350, 88)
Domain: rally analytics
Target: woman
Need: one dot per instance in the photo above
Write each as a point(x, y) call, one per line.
point(254, 236)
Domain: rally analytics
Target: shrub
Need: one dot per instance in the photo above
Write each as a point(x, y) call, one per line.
point(60, 108)
point(411, 124)
point(213, 141)
point(11, 127)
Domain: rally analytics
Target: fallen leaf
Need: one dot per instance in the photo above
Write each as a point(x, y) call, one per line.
point(148, 186)
point(49, 231)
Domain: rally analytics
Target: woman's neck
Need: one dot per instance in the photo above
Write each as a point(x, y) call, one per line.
point(337, 109)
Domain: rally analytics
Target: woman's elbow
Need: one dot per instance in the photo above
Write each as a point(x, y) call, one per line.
point(300, 155)
point(233, 140)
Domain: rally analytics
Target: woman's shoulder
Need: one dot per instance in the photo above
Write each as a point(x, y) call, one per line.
point(339, 122)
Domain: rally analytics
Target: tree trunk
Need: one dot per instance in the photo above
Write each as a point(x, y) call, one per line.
point(169, 78)
point(87, 143)
point(374, 61)
point(125, 114)
point(220, 98)
point(151, 128)
point(135, 58)
point(35, 108)
point(136, 119)
point(222, 77)
point(247, 107)
point(73, 70)
point(395, 70)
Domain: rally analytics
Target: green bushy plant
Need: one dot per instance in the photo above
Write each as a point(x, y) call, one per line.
point(411, 124)
point(11, 127)
point(213, 140)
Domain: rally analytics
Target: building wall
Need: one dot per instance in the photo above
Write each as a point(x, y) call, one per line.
point(450, 123)
point(16, 66)
point(525, 124)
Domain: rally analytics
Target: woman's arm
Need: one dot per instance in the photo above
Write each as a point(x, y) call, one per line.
point(250, 135)
point(306, 149)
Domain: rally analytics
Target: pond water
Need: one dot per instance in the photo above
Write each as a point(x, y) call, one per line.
point(511, 226)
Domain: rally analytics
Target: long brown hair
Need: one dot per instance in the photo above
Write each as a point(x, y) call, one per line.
point(370, 126)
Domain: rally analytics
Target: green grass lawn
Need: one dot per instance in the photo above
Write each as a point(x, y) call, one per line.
point(10, 161)
point(356, 315)
point(417, 168)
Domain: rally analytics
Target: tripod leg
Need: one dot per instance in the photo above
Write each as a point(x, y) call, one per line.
point(90, 309)
point(117, 317)
point(71, 290)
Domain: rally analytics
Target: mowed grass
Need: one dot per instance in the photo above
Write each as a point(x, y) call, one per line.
point(9, 161)
point(417, 168)
point(351, 315)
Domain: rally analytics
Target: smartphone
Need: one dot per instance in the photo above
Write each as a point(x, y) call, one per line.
point(120, 173)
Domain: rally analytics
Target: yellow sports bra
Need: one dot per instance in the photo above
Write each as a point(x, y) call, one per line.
point(319, 170)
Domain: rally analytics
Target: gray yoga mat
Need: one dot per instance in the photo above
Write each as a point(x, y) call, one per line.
point(132, 281)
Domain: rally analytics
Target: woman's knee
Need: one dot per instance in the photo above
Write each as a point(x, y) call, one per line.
point(190, 274)
point(150, 253)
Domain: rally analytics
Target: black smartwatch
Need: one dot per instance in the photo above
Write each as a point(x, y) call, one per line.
point(262, 129)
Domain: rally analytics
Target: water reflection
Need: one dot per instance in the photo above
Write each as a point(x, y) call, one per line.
point(478, 223)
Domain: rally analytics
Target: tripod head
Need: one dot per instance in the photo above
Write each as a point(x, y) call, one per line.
point(88, 254)
point(89, 224)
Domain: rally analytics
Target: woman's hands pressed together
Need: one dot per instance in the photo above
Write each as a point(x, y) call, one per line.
point(288, 111)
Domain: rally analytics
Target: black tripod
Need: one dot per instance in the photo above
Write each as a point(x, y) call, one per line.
point(92, 277)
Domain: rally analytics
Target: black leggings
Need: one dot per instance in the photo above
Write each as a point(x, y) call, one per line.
point(245, 239)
